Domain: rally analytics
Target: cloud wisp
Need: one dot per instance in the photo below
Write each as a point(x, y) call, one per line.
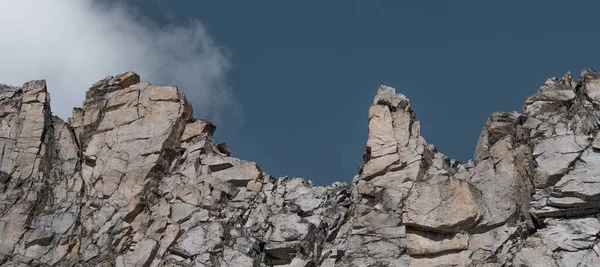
point(73, 44)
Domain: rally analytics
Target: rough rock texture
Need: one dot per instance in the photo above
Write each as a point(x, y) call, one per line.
point(132, 179)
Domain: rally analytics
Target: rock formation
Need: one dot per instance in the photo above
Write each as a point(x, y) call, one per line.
point(132, 179)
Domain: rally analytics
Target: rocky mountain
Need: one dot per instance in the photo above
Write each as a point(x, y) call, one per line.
point(134, 180)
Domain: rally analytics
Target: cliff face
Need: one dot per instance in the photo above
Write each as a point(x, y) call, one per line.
point(133, 180)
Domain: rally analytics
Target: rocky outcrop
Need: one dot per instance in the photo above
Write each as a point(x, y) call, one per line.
point(132, 179)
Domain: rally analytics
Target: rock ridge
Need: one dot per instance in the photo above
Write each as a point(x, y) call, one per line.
point(132, 179)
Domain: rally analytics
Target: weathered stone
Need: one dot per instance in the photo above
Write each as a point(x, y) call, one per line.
point(205, 238)
point(181, 212)
point(142, 254)
point(431, 243)
point(442, 204)
point(234, 258)
point(535, 254)
point(554, 156)
point(197, 128)
point(591, 85)
point(583, 181)
point(239, 175)
point(222, 147)
point(288, 227)
point(485, 245)
point(133, 180)
point(380, 165)
point(571, 234)
point(450, 259)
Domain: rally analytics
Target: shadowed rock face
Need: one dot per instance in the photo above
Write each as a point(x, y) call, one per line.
point(132, 179)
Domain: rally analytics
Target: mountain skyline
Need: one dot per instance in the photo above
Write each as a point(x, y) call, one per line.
point(288, 85)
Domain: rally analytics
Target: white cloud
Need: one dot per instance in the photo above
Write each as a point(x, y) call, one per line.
point(73, 44)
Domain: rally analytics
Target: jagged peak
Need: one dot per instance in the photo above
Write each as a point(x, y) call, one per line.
point(135, 180)
point(387, 96)
point(591, 73)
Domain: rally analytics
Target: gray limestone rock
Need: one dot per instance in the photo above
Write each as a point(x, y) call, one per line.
point(442, 204)
point(132, 179)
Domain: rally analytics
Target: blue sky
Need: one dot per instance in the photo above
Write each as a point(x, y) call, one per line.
point(305, 72)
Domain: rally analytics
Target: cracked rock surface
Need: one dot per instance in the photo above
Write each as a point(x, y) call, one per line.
point(132, 179)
